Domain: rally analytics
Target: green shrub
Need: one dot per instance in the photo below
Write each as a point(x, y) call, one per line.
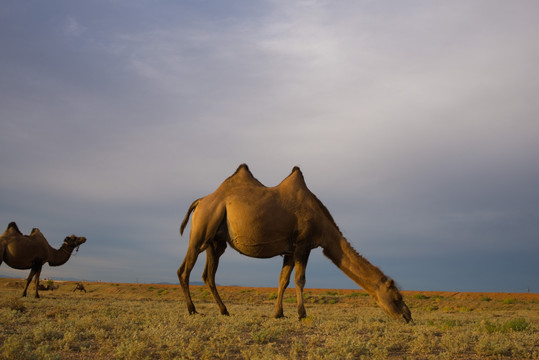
point(265, 336)
point(517, 325)
point(162, 292)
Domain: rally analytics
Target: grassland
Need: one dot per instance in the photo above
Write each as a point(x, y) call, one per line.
point(141, 321)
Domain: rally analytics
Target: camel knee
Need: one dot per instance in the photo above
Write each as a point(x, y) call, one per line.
point(300, 282)
point(179, 273)
point(206, 277)
point(184, 280)
point(183, 275)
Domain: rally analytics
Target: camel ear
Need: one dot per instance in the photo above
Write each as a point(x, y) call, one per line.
point(390, 283)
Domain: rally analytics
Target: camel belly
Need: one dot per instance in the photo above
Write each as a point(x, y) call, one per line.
point(260, 248)
point(260, 229)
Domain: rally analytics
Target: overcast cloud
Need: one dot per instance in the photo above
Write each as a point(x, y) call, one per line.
point(416, 124)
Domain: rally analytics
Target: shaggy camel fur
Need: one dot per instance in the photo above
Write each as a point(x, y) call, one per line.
point(263, 222)
point(33, 251)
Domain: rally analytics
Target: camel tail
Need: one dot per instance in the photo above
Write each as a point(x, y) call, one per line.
point(186, 218)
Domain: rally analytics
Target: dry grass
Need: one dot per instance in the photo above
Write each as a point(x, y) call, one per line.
point(132, 321)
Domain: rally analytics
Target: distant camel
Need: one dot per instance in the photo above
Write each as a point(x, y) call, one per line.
point(33, 251)
point(49, 286)
point(264, 222)
point(80, 287)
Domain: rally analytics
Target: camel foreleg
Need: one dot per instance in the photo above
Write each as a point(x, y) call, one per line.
point(28, 280)
point(284, 280)
point(34, 273)
point(36, 280)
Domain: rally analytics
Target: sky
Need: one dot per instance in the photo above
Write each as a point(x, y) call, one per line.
point(416, 124)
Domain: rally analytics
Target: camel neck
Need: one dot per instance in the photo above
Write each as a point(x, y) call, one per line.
point(355, 266)
point(60, 256)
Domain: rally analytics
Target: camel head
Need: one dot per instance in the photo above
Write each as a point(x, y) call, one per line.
point(73, 242)
point(390, 299)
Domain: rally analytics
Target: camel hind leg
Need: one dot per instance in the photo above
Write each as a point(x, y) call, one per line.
point(196, 246)
point(184, 272)
point(213, 253)
point(204, 227)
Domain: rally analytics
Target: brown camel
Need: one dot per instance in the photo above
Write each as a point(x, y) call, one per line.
point(33, 251)
point(79, 287)
point(263, 222)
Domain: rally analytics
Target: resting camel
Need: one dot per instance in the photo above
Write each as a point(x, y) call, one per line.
point(33, 251)
point(264, 222)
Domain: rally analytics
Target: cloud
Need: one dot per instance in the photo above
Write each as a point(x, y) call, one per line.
point(73, 27)
point(415, 124)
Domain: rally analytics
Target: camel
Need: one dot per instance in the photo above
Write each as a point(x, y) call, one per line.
point(79, 287)
point(264, 222)
point(49, 286)
point(33, 251)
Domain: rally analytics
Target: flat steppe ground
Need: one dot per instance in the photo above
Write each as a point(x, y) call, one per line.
point(145, 321)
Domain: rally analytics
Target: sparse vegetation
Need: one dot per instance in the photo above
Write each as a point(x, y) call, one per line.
point(124, 321)
point(13, 303)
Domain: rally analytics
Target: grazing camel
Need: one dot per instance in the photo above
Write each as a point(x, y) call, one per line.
point(33, 251)
point(79, 287)
point(264, 222)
